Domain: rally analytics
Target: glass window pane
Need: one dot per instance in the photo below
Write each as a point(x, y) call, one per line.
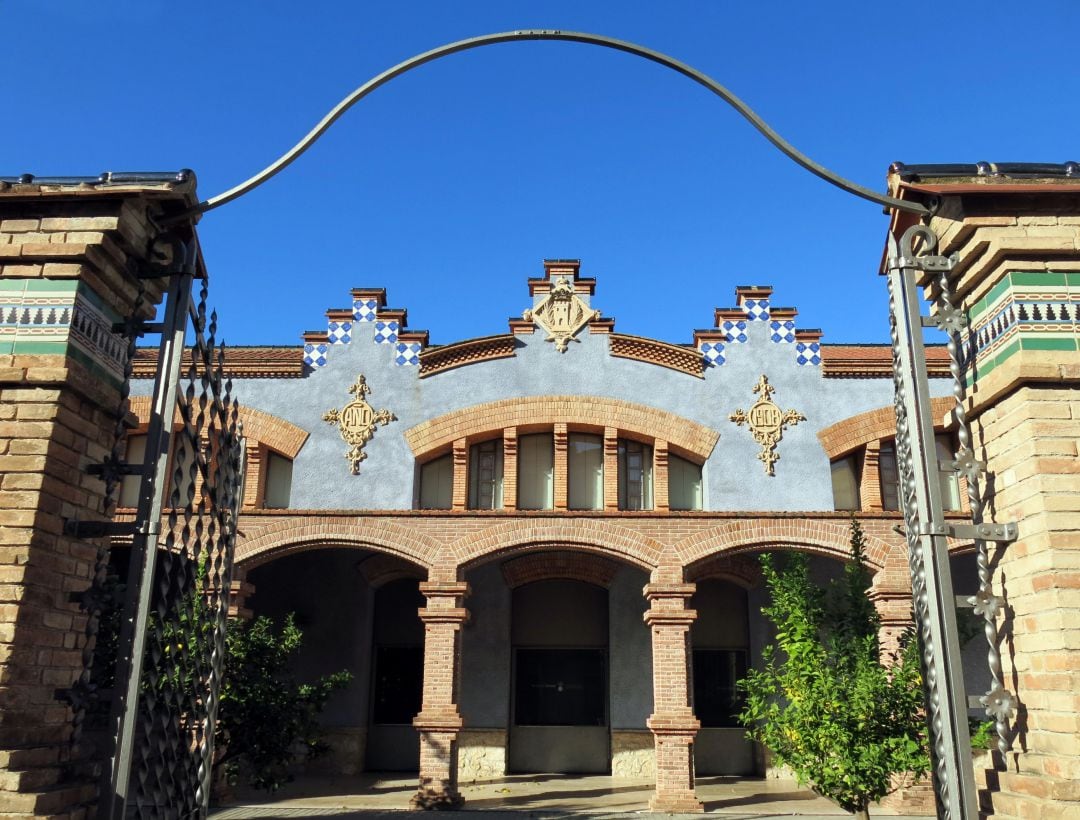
point(560, 687)
point(845, 484)
point(129, 485)
point(437, 484)
point(536, 467)
point(950, 482)
point(278, 481)
point(635, 475)
point(890, 478)
point(585, 464)
point(684, 484)
point(486, 475)
point(717, 701)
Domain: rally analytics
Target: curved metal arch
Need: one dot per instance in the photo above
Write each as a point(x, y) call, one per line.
point(569, 36)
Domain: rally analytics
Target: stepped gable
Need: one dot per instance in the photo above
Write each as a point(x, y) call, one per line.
point(754, 305)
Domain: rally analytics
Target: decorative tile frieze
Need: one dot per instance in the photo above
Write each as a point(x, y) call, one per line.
point(315, 355)
point(340, 333)
point(408, 354)
point(712, 353)
point(736, 331)
point(386, 333)
point(757, 310)
point(364, 310)
point(782, 332)
point(807, 353)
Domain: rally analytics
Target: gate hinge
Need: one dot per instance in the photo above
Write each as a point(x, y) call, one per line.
point(97, 529)
point(935, 264)
point(1004, 533)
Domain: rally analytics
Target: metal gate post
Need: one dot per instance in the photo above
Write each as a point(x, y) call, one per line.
point(132, 646)
point(932, 588)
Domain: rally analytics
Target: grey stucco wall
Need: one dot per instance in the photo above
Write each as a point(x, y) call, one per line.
point(485, 650)
point(630, 650)
point(734, 479)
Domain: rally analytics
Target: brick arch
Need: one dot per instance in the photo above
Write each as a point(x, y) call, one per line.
point(304, 535)
point(648, 422)
point(564, 565)
point(858, 431)
point(737, 568)
point(820, 537)
point(276, 433)
point(561, 534)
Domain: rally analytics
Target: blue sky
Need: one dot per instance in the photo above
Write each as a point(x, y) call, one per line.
point(450, 185)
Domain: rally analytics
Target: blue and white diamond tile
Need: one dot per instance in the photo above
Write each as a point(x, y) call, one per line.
point(757, 310)
point(782, 331)
point(340, 333)
point(408, 353)
point(386, 333)
point(736, 331)
point(315, 355)
point(713, 353)
point(807, 353)
point(363, 310)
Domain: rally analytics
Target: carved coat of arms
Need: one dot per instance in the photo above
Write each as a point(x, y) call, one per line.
point(356, 422)
point(767, 423)
point(562, 314)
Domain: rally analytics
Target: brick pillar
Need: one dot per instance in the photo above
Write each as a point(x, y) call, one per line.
point(254, 476)
point(510, 471)
point(439, 721)
point(461, 477)
point(611, 468)
point(66, 254)
point(561, 467)
point(672, 722)
point(870, 480)
point(1018, 282)
point(660, 475)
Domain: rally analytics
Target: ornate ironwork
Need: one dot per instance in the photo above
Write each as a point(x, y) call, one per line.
point(171, 644)
point(928, 556)
point(999, 703)
point(767, 423)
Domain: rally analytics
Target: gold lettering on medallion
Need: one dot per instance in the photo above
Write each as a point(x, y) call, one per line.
point(356, 422)
point(767, 423)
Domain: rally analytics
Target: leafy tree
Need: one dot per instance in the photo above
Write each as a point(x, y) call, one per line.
point(264, 712)
point(824, 703)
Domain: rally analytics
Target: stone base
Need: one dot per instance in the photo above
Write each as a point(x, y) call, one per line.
point(432, 800)
point(633, 754)
point(481, 754)
point(347, 748)
point(682, 803)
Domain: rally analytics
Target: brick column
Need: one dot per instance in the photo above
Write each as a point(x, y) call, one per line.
point(254, 476)
point(461, 474)
point(672, 722)
point(660, 475)
point(510, 470)
point(1018, 282)
point(561, 467)
point(439, 721)
point(66, 255)
point(611, 468)
point(870, 479)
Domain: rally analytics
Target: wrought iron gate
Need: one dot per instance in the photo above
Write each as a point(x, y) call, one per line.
point(171, 645)
point(926, 529)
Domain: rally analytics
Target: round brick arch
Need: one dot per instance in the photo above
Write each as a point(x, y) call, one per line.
point(563, 534)
point(301, 536)
point(821, 537)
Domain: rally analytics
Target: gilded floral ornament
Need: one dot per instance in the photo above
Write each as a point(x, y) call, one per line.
point(767, 423)
point(562, 314)
point(356, 421)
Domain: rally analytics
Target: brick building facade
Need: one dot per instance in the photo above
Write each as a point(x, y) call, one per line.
point(535, 550)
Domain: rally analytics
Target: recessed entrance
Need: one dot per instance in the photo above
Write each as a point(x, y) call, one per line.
point(559, 692)
point(397, 661)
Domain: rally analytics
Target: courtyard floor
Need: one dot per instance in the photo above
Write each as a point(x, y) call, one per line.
point(370, 796)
